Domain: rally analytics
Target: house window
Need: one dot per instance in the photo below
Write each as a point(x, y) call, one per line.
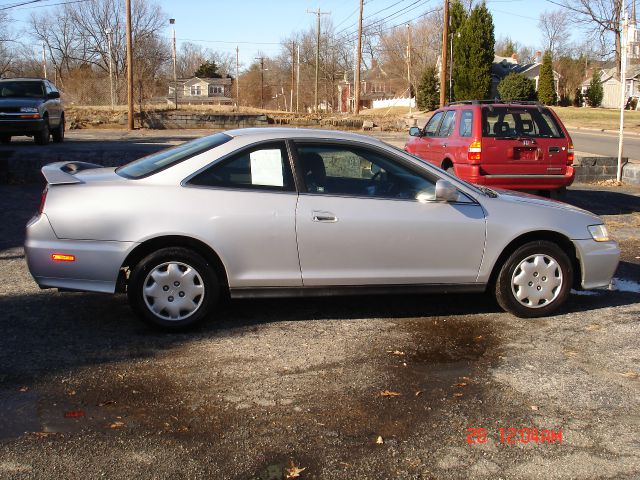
point(216, 90)
point(195, 90)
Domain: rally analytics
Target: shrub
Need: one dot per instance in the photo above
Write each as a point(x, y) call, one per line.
point(595, 92)
point(546, 83)
point(516, 86)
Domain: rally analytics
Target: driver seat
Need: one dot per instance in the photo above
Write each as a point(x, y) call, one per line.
point(314, 172)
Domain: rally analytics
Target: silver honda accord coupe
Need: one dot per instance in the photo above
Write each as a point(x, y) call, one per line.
point(294, 212)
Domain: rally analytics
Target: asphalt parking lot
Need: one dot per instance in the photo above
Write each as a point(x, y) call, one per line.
point(353, 388)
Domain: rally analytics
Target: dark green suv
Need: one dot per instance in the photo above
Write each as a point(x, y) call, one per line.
point(31, 107)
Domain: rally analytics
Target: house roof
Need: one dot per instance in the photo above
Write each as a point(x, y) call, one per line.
point(208, 81)
point(607, 74)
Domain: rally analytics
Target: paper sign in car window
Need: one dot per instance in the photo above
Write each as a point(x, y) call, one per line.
point(266, 167)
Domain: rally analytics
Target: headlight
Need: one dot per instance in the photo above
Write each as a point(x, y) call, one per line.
point(28, 110)
point(599, 233)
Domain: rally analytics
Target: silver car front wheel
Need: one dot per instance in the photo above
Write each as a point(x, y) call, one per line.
point(535, 280)
point(173, 288)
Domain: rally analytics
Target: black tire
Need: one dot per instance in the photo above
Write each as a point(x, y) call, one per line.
point(506, 283)
point(178, 258)
point(58, 134)
point(42, 137)
point(450, 170)
point(5, 139)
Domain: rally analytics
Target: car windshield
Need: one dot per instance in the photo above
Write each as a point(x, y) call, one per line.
point(145, 166)
point(515, 122)
point(20, 89)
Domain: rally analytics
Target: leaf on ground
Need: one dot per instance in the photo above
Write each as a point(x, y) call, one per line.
point(389, 393)
point(398, 352)
point(457, 394)
point(108, 402)
point(379, 440)
point(23, 389)
point(294, 471)
point(593, 326)
point(419, 392)
point(461, 384)
point(534, 408)
point(116, 425)
point(630, 374)
point(43, 434)
point(71, 393)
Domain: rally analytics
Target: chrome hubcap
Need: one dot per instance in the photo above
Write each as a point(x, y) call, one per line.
point(173, 291)
point(537, 281)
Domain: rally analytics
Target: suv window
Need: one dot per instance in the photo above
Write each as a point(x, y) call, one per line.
point(336, 169)
point(157, 162)
point(466, 123)
point(446, 127)
point(506, 122)
point(260, 167)
point(22, 89)
point(431, 128)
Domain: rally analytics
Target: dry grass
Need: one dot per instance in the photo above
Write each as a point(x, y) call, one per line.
point(599, 118)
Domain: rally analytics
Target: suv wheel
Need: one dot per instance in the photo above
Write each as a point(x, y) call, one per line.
point(535, 280)
point(173, 288)
point(5, 139)
point(42, 137)
point(58, 133)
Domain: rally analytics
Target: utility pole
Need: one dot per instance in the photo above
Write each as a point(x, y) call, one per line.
point(237, 77)
point(298, 82)
point(443, 58)
point(293, 72)
point(356, 107)
point(172, 21)
point(451, 66)
point(261, 81)
point(129, 65)
point(44, 61)
point(108, 32)
point(409, 63)
point(317, 13)
point(623, 86)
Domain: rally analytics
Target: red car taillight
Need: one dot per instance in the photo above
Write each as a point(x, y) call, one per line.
point(475, 152)
point(570, 154)
point(42, 201)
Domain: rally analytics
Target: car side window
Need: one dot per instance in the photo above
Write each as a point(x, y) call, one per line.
point(446, 127)
point(431, 127)
point(466, 123)
point(260, 167)
point(348, 170)
point(47, 88)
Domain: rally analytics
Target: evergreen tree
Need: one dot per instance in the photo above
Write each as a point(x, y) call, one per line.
point(595, 92)
point(473, 56)
point(508, 49)
point(428, 95)
point(457, 17)
point(516, 86)
point(546, 83)
point(208, 69)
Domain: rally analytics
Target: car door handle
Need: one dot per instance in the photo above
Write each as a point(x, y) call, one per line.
point(554, 149)
point(326, 217)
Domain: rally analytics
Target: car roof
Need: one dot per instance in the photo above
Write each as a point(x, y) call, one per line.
point(313, 133)
point(22, 79)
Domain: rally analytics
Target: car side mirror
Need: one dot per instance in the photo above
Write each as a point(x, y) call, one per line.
point(53, 95)
point(446, 191)
point(415, 132)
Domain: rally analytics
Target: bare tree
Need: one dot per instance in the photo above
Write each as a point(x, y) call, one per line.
point(555, 32)
point(6, 39)
point(600, 17)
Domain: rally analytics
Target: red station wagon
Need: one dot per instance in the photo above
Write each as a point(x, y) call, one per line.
point(519, 146)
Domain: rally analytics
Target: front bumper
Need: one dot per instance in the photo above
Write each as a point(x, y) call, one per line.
point(598, 262)
point(16, 126)
point(96, 266)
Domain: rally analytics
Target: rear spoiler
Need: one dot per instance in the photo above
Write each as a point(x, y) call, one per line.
point(60, 173)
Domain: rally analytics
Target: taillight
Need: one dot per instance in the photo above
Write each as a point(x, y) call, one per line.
point(42, 200)
point(475, 151)
point(570, 154)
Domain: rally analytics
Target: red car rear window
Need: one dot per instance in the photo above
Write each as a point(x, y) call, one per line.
point(510, 122)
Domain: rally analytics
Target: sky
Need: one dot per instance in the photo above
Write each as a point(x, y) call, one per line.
point(258, 26)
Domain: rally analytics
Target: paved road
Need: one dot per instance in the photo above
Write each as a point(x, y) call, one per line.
point(606, 144)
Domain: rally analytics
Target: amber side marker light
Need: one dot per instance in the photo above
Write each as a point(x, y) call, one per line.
point(63, 257)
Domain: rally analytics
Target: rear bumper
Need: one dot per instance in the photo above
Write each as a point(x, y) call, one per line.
point(598, 262)
point(516, 181)
point(95, 268)
point(17, 126)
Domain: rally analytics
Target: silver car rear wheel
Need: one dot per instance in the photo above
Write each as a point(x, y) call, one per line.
point(173, 288)
point(173, 291)
point(535, 280)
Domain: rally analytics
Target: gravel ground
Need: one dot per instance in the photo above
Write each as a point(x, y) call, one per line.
point(87, 391)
